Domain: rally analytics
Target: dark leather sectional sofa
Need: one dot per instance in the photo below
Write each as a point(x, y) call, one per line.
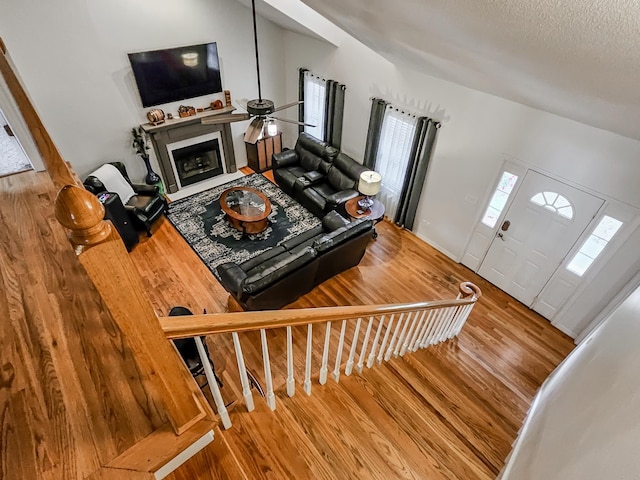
point(280, 275)
point(316, 174)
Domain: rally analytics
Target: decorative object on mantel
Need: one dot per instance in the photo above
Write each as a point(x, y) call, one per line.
point(368, 185)
point(141, 146)
point(217, 105)
point(227, 98)
point(186, 111)
point(169, 116)
point(155, 116)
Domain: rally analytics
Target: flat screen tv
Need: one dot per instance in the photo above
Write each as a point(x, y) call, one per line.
point(175, 74)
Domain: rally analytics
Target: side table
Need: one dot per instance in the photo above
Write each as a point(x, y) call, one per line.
point(375, 213)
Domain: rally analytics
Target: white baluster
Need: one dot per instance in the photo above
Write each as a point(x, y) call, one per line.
point(291, 383)
point(376, 340)
point(352, 351)
point(270, 398)
point(242, 370)
point(416, 332)
point(385, 339)
point(213, 384)
point(463, 320)
point(398, 346)
point(336, 370)
point(425, 328)
point(307, 368)
point(409, 336)
point(325, 354)
point(436, 321)
point(443, 324)
point(387, 355)
point(457, 311)
point(365, 345)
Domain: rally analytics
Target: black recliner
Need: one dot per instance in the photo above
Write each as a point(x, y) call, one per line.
point(144, 208)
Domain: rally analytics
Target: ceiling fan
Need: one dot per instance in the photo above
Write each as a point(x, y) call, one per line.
point(260, 109)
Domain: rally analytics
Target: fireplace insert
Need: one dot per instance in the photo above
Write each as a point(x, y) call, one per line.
point(198, 162)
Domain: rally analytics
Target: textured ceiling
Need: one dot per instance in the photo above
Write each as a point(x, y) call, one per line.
point(576, 58)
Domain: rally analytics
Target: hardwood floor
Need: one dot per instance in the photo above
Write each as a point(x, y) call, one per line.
point(450, 411)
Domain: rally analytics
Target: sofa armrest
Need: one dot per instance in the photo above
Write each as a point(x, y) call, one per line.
point(284, 159)
point(145, 189)
point(340, 197)
point(232, 277)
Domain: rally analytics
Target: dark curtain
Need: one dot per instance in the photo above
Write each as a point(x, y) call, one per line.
point(301, 72)
point(421, 153)
point(378, 107)
point(334, 112)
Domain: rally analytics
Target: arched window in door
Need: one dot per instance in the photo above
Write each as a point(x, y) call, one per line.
point(554, 202)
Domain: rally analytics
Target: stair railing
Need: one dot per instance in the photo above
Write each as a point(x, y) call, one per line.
point(381, 332)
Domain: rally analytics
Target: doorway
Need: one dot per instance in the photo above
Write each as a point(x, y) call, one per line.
point(532, 223)
point(13, 158)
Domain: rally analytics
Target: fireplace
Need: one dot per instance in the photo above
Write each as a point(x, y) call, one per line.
point(197, 162)
point(189, 152)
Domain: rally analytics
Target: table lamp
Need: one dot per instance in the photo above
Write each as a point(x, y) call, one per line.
point(368, 185)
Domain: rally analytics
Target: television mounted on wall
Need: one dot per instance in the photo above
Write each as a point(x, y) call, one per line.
point(175, 74)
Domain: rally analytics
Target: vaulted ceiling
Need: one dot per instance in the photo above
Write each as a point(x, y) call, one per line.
point(576, 58)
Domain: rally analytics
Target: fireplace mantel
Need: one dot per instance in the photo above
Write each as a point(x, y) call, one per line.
point(178, 129)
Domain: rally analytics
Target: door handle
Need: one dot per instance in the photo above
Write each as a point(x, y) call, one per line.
point(501, 237)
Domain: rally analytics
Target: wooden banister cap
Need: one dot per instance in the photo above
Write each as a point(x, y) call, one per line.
point(81, 212)
point(468, 288)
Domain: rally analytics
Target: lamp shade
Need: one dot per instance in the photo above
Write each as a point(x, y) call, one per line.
point(369, 183)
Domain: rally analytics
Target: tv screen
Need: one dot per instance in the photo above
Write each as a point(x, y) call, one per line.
point(174, 74)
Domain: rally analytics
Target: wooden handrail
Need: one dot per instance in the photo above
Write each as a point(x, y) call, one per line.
point(58, 169)
point(208, 324)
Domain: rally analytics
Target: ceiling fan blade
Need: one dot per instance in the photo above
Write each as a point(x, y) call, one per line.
point(291, 121)
point(242, 102)
point(288, 105)
point(228, 118)
point(254, 130)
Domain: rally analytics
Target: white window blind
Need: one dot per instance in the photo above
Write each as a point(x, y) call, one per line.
point(314, 104)
point(394, 148)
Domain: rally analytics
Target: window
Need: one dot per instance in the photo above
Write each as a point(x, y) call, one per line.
point(594, 245)
point(554, 202)
point(394, 149)
point(499, 199)
point(315, 91)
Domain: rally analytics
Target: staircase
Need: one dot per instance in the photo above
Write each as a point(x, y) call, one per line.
point(392, 421)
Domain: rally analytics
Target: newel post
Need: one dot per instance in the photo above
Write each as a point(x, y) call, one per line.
point(104, 256)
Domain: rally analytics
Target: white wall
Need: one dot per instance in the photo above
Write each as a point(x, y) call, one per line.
point(479, 131)
point(71, 55)
point(586, 421)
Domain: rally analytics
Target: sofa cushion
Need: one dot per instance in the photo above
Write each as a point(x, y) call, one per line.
point(263, 257)
point(332, 239)
point(276, 268)
point(309, 160)
point(286, 177)
point(333, 221)
point(313, 201)
point(302, 238)
point(231, 277)
point(311, 144)
point(324, 190)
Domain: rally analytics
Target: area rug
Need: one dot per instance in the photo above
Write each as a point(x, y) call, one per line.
point(202, 223)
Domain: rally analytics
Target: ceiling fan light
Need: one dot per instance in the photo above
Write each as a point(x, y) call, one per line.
point(272, 129)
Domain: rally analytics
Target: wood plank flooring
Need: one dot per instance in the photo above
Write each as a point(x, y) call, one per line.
point(71, 394)
point(451, 411)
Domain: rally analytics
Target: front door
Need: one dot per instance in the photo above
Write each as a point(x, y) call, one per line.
point(544, 221)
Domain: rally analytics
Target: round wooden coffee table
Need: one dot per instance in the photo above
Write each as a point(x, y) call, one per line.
point(246, 208)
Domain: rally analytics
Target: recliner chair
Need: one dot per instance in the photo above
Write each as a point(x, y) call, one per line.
point(143, 203)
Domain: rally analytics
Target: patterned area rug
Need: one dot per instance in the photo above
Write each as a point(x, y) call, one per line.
point(202, 223)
